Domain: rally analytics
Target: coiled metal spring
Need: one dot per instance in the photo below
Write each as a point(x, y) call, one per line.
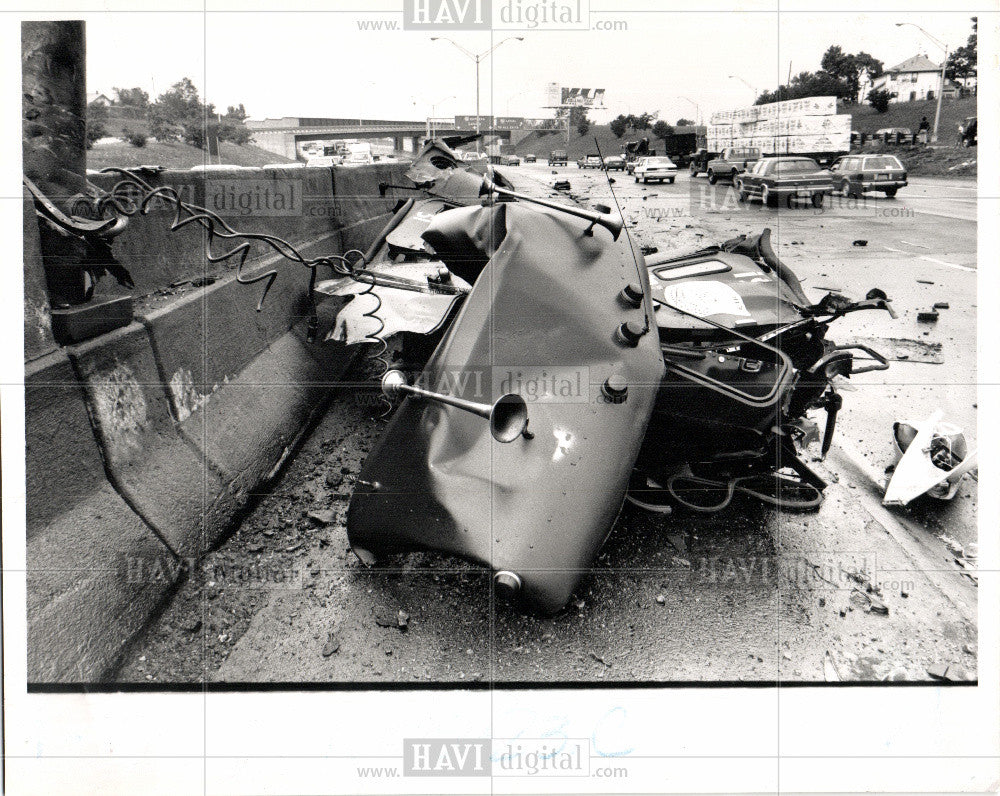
point(122, 201)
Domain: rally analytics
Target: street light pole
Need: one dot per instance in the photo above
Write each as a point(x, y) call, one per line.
point(944, 66)
point(697, 109)
point(478, 59)
point(737, 77)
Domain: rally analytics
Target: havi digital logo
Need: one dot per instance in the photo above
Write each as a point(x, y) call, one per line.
point(447, 14)
point(443, 757)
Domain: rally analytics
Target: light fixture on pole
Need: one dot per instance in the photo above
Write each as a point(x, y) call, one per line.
point(478, 59)
point(737, 77)
point(944, 66)
point(697, 108)
point(429, 131)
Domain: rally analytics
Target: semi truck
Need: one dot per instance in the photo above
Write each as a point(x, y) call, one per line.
point(806, 127)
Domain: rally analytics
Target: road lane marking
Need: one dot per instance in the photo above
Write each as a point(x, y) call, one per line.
point(949, 265)
point(930, 259)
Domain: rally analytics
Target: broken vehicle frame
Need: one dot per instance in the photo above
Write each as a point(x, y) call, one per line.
point(716, 398)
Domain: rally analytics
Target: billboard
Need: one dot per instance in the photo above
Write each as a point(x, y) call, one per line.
point(586, 97)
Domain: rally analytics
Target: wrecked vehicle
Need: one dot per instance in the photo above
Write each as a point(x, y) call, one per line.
point(566, 370)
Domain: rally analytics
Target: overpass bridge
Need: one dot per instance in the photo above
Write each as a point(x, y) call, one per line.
point(285, 136)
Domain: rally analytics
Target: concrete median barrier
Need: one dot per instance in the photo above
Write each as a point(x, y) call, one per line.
point(91, 581)
point(143, 444)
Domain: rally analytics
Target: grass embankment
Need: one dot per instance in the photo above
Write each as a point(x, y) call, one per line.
point(176, 155)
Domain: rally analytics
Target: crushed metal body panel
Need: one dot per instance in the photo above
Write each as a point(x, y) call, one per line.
point(545, 308)
point(690, 376)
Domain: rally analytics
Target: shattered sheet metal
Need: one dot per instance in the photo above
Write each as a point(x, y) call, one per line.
point(400, 310)
point(540, 507)
point(917, 473)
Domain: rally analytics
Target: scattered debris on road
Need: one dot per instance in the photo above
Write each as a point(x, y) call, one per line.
point(830, 673)
point(927, 316)
point(860, 243)
point(322, 516)
point(901, 349)
point(933, 457)
point(390, 617)
point(331, 646)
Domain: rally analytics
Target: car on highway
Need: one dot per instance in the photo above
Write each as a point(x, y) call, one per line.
point(732, 161)
point(967, 131)
point(786, 178)
point(855, 174)
point(530, 158)
point(558, 157)
point(510, 160)
point(614, 163)
point(659, 169)
point(589, 162)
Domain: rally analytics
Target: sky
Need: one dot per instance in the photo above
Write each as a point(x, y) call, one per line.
point(323, 64)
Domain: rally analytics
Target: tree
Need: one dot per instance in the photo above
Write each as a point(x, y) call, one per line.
point(619, 125)
point(578, 119)
point(841, 75)
point(682, 122)
point(964, 62)
point(95, 130)
point(879, 99)
point(180, 111)
point(236, 113)
point(808, 84)
point(132, 97)
point(162, 130)
point(135, 137)
point(662, 130)
point(97, 115)
point(641, 122)
point(836, 62)
point(180, 104)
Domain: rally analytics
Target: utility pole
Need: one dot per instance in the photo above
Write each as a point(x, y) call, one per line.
point(944, 66)
point(53, 145)
point(478, 58)
point(54, 105)
point(53, 142)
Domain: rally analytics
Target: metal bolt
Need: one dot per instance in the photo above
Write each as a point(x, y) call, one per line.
point(629, 333)
point(615, 389)
point(507, 584)
point(631, 294)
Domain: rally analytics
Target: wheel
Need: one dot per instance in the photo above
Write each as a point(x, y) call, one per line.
point(712, 179)
point(966, 143)
point(890, 192)
point(817, 200)
point(845, 188)
point(671, 181)
point(645, 180)
point(765, 197)
point(732, 175)
point(741, 193)
point(693, 169)
point(637, 179)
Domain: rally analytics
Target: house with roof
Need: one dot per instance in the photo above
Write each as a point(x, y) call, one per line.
point(96, 97)
point(916, 78)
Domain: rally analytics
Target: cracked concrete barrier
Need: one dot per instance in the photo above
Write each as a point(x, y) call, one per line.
point(144, 444)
